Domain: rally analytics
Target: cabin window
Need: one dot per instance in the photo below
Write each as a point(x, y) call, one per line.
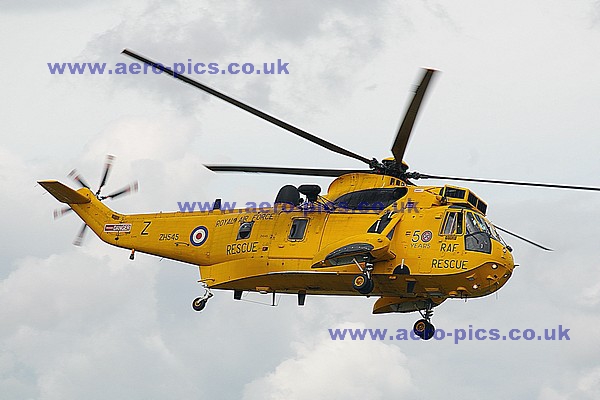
point(298, 228)
point(453, 223)
point(245, 230)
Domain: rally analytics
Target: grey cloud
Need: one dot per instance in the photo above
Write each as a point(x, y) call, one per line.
point(41, 6)
point(244, 32)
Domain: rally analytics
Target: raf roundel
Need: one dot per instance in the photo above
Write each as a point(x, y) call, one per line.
point(426, 236)
point(199, 236)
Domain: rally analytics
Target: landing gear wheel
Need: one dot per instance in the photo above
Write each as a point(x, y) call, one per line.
point(424, 329)
point(363, 284)
point(199, 303)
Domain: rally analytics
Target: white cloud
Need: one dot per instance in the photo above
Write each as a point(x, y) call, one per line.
point(585, 385)
point(324, 368)
point(589, 384)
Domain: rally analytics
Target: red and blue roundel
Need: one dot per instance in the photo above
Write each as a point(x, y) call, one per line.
point(199, 236)
point(426, 236)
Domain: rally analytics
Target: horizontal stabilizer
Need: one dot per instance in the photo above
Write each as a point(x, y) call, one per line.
point(63, 193)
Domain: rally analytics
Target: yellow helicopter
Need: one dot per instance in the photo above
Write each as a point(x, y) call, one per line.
point(374, 233)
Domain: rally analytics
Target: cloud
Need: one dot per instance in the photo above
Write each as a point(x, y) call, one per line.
point(75, 321)
point(40, 6)
point(585, 385)
point(323, 368)
point(339, 39)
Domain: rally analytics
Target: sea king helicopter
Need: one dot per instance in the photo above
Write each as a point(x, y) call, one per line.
point(374, 233)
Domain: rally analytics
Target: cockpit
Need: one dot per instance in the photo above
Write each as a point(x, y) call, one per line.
point(477, 230)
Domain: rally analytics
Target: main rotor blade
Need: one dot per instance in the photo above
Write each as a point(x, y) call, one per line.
point(283, 170)
point(107, 166)
point(522, 238)
point(416, 175)
point(399, 146)
point(252, 110)
point(131, 188)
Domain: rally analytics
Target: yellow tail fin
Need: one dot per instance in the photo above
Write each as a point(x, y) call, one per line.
point(63, 193)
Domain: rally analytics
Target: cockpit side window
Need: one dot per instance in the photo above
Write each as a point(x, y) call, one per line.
point(453, 223)
point(470, 224)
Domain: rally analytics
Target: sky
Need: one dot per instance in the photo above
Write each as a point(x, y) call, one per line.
point(516, 99)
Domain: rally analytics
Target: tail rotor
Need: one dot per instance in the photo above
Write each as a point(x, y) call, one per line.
point(76, 176)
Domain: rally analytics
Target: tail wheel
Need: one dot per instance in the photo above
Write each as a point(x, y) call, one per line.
point(363, 284)
point(199, 303)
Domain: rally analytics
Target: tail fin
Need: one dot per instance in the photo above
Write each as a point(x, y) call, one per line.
point(89, 208)
point(63, 193)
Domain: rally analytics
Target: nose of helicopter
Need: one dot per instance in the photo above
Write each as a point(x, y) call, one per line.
point(489, 276)
point(494, 274)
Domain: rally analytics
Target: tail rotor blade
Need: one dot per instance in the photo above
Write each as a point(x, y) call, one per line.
point(131, 188)
point(59, 212)
point(79, 238)
point(107, 167)
point(77, 178)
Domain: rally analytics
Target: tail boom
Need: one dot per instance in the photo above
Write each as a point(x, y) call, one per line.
point(161, 234)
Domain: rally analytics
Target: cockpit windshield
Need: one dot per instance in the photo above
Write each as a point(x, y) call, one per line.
point(496, 235)
point(478, 231)
point(476, 223)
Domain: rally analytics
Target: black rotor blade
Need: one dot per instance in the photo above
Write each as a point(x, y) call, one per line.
point(131, 188)
point(403, 135)
point(79, 238)
point(524, 239)
point(252, 110)
point(77, 178)
point(62, 211)
point(283, 170)
point(107, 166)
point(416, 175)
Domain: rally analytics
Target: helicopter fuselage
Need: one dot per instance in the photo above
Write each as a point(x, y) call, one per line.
point(422, 243)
